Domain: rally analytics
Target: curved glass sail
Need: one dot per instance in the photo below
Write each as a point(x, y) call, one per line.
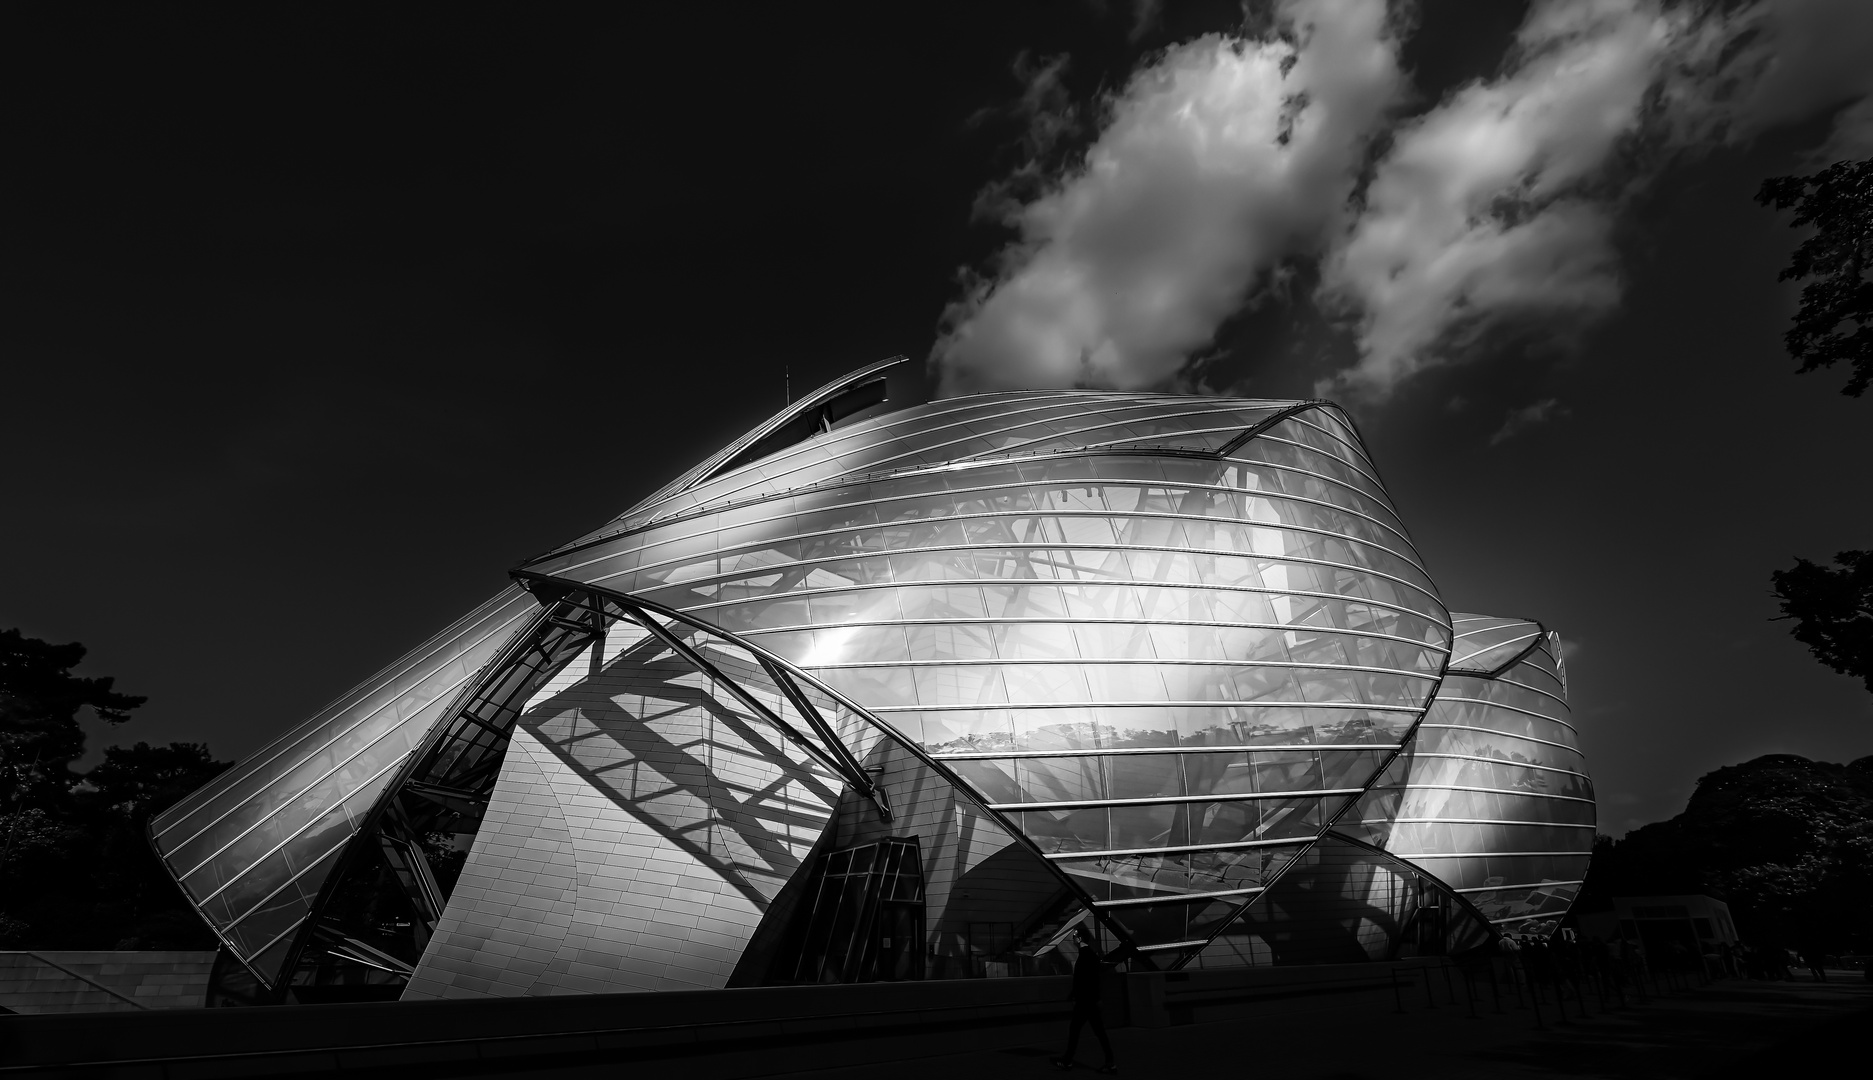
point(1492, 795)
point(966, 675)
point(252, 849)
point(1170, 639)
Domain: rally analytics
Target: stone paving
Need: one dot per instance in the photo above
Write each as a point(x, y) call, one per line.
point(1730, 1028)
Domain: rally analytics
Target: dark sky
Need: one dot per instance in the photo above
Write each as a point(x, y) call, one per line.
point(313, 321)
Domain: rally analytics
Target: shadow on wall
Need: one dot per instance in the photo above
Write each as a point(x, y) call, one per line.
point(672, 759)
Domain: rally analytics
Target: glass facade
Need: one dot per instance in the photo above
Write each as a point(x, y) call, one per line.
point(1172, 651)
point(254, 848)
point(1492, 794)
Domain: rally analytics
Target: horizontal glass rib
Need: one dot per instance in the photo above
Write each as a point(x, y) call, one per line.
point(242, 872)
point(289, 883)
point(1177, 898)
point(1510, 708)
point(1149, 750)
point(1500, 761)
point(1474, 821)
point(1173, 945)
point(1412, 785)
point(1517, 886)
point(1155, 800)
point(1210, 703)
point(1232, 846)
point(1501, 734)
point(1419, 855)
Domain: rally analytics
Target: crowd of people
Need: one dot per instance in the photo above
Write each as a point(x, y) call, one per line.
point(1611, 967)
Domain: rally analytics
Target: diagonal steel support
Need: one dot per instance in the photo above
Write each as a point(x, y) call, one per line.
point(826, 732)
point(839, 761)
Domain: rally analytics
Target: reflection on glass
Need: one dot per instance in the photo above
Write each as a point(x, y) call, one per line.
point(1492, 796)
point(1168, 657)
point(1345, 903)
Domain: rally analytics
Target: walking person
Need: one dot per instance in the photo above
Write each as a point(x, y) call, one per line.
point(1088, 976)
point(1811, 958)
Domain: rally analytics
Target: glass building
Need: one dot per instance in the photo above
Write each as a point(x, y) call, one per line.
point(881, 693)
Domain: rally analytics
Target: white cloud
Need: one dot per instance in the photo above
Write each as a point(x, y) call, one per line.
point(1229, 158)
point(1217, 161)
point(1498, 206)
point(1481, 209)
point(1526, 417)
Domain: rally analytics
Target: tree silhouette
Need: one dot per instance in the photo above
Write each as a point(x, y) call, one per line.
point(1838, 203)
point(76, 870)
point(1833, 611)
point(39, 703)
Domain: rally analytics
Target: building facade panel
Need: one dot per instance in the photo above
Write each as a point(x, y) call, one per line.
point(912, 695)
point(1492, 795)
point(652, 819)
point(252, 849)
point(1077, 591)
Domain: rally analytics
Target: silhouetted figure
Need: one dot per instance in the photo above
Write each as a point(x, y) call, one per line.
point(1088, 978)
point(1596, 962)
point(1811, 959)
point(1680, 958)
point(1537, 964)
point(1752, 960)
point(1510, 950)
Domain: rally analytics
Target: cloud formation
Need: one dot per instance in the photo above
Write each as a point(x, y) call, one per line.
point(1526, 417)
point(1224, 157)
point(1228, 158)
point(1481, 209)
point(1498, 206)
point(1798, 58)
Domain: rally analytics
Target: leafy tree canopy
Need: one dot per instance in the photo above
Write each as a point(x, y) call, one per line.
point(39, 703)
point(1788, 842)
point(141, 781)
point(1838, 203)
point(1833, 611)
point(76, 869)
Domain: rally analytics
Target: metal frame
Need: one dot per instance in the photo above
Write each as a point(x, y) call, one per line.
point(1222, 454)
point(850, 479)
point(1492, 674)
point(962, 789)
point(573, 614)
point(862, 479)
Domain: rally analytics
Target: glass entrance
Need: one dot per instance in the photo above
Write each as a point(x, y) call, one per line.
point(867, 915)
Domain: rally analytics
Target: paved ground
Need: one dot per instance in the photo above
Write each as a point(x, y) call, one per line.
point(1733, 1028)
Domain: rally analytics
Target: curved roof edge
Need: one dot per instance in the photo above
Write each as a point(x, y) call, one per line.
point(1498, 658)
point(714, 463)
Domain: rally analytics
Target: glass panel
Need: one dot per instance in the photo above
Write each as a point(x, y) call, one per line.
point(1344, 904)
point(1057, 729)
point(1041, 641)
point(1159, 825)
point(1085, 829)
point(1068, 779)
point(1287, 770)
point(952, 641)
point(1154, 924)
point(1044, 684)
point(1145, 776)
point(993, 780)
point(962, 730)
point(1122, 877)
